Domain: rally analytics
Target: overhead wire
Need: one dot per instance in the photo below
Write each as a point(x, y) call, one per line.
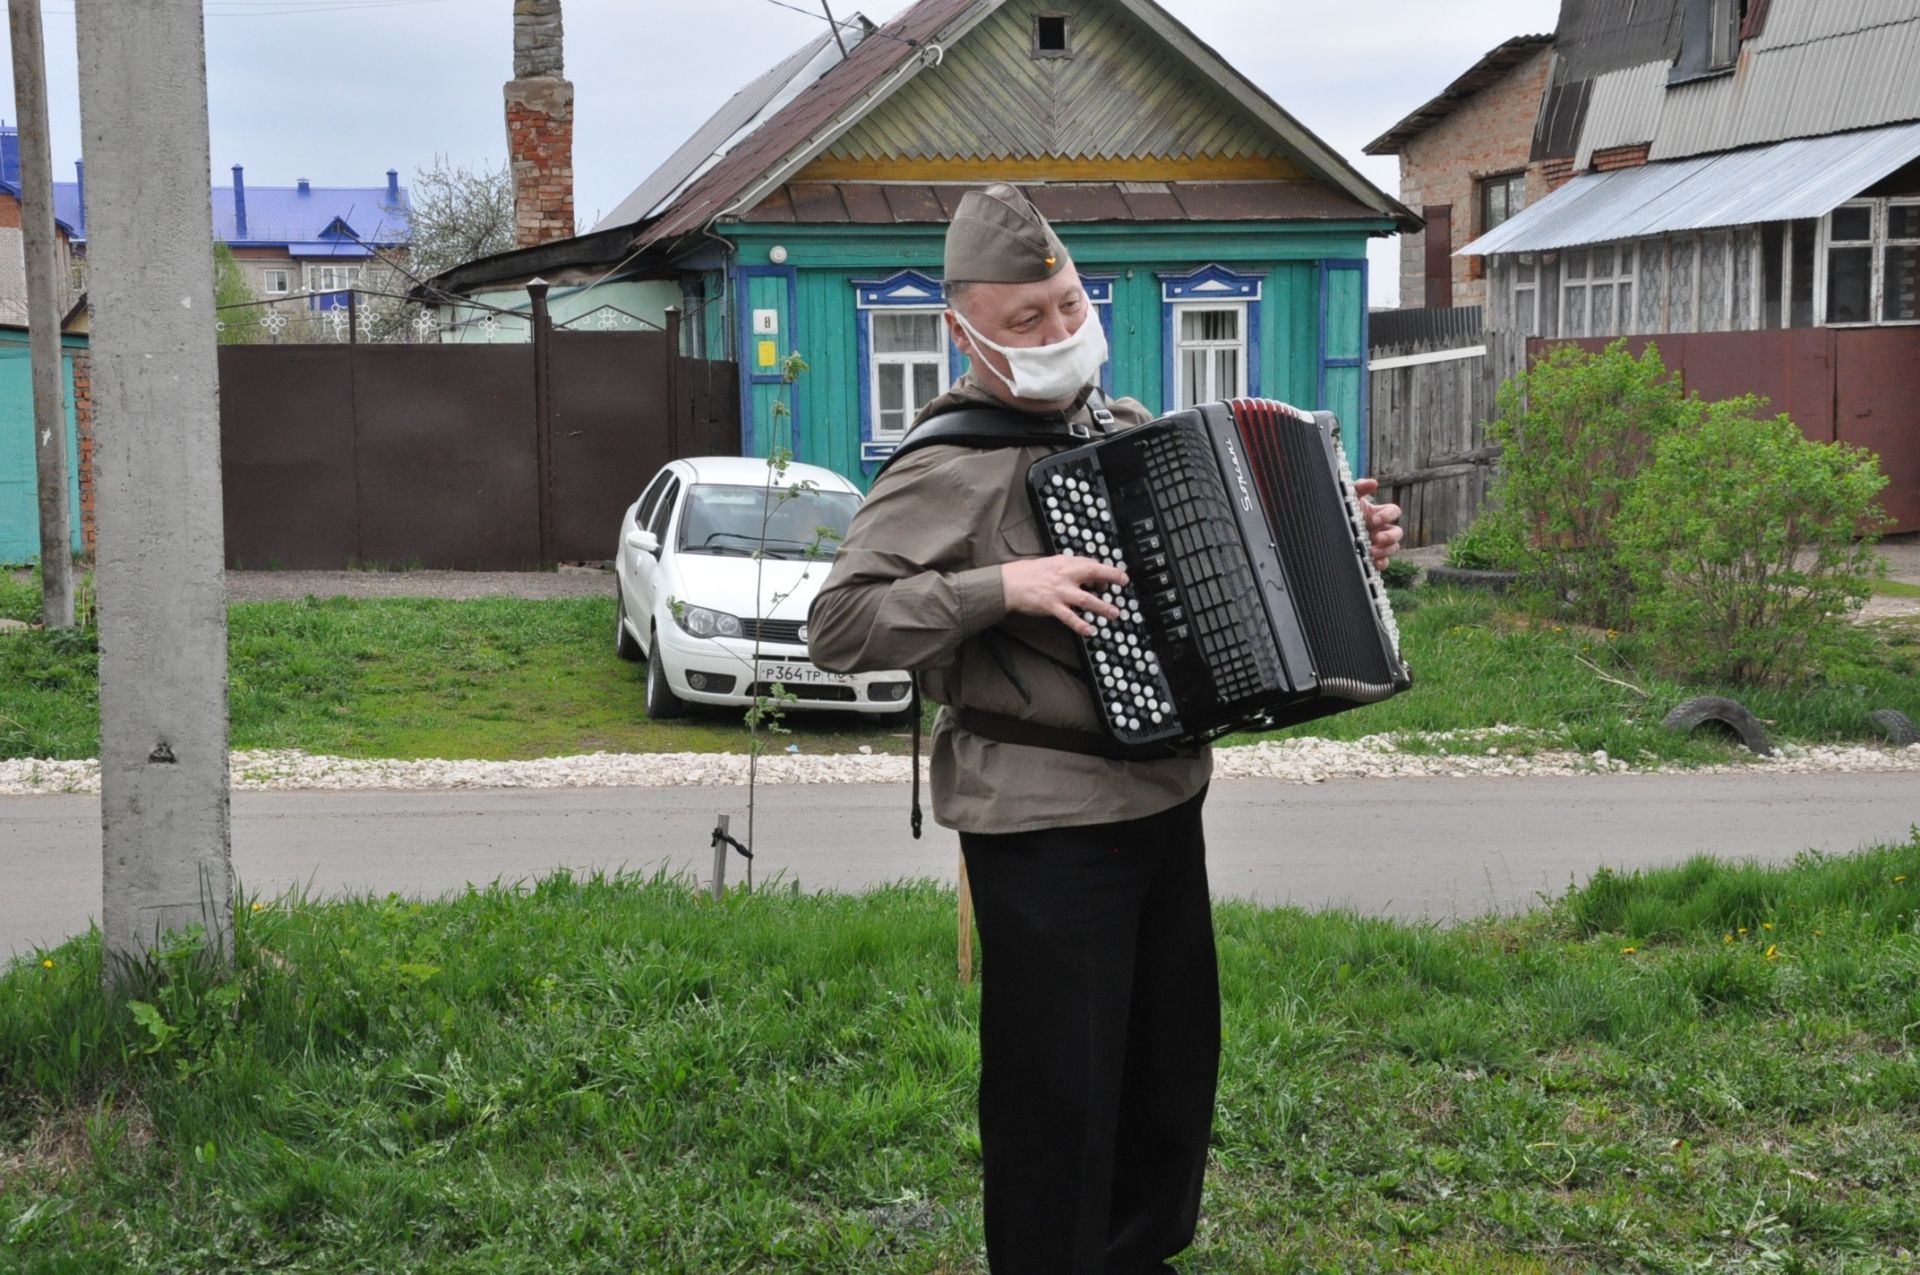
point(880, 31)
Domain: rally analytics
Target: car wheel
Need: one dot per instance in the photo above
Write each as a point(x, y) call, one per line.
point(625, 645)
point(662, 703)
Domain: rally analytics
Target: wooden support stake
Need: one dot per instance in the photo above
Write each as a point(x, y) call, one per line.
point(720, 857)
point(966, 924)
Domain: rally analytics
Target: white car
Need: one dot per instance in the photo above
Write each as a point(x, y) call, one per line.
point(720, 551)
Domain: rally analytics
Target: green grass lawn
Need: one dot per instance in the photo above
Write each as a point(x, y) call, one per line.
point(1708, 1068)
point(502, 678)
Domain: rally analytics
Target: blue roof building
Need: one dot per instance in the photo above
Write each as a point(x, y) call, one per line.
point(288, 239)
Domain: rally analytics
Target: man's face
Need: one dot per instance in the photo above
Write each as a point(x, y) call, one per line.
point(1020, 315)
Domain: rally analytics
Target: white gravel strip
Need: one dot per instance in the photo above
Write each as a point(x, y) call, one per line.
point(1304, 761)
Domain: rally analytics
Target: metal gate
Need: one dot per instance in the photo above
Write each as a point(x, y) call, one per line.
point(476, 457)
point(1850, 385)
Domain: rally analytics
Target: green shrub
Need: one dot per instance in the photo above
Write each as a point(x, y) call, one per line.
point(1740, 537)
point(1574, 431)
point(1491, 543)
point(1399, 573)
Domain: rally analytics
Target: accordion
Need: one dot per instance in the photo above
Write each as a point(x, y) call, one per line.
point(1252, 601)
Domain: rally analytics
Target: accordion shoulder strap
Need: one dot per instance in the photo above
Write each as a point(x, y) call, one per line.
point(989, 427)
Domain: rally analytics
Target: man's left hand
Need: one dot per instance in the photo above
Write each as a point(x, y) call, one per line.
point(1383, 521)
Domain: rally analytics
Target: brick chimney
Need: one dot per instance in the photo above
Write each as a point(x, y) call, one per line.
point(539, 127)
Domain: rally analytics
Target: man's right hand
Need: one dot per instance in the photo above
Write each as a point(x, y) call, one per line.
point(1057, 586)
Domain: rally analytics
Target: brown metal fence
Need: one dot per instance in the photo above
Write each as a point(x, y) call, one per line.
point(1851, 385)
point(476, 457)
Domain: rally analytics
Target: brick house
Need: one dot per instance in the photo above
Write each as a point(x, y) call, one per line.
point(1744, 192)
point(1466, 165)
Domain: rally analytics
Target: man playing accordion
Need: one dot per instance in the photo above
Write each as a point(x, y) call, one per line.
point(1100, 1016)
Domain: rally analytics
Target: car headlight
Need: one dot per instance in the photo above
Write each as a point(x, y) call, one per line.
point(701, 622)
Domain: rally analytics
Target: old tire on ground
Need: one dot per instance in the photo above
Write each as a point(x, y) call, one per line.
point(1471, 578)
point(662, 703)
point(1728, 715)
point(1899, 727)
point(625, 645)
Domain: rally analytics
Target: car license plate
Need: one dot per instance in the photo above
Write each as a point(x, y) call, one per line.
point(803, 675)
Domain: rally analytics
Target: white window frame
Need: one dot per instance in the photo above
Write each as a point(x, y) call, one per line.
point(1180, 348)
point(1880, 212)
point(875, 360)
point(1626, 270)
point(317, 274)
point(1527, 292)
point(267, 275)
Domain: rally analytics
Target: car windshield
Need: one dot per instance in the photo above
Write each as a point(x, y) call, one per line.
point(793, 524)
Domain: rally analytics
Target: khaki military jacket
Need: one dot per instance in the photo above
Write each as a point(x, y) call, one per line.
point(916, 585)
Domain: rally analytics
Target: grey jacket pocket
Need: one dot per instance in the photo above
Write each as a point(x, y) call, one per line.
point(1020, 537)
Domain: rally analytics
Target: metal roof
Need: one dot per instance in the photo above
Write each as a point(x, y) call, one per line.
point(725, 128)
point(1623, 110)
point(786, 137)
point(1798, 22)
point(1806, 177)
point(1594, 38)
point(874, 60)
point(1819, 66)
point(303, 219)
point(1489, 70)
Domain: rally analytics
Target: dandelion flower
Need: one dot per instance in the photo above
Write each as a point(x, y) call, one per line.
point(47, 964)
point(1766, 925)
point(1628, 951)
point(1743, 929)
point(1901, 877)
point(1727, 939)
point(1773, 951)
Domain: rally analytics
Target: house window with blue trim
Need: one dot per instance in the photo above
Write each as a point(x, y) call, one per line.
point(1211, 335)
point(909, 358)
point(905, 360)
point(1210, 359)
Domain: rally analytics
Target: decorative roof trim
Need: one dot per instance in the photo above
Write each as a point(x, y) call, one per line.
point(1210, 282)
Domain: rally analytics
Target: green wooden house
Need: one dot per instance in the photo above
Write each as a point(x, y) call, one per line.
point(19, 474)
point(1223, 244)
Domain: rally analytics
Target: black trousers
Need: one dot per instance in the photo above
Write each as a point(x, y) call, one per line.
point(1099, 1041)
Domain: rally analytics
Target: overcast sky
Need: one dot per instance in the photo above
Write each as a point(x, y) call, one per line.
point(339, 91)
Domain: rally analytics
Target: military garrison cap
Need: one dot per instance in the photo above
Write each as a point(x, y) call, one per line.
point(998, 237)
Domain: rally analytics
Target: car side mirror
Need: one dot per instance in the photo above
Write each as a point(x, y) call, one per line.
point(643, 540)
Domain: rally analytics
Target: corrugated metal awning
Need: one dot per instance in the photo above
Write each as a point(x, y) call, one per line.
point(1807, 177)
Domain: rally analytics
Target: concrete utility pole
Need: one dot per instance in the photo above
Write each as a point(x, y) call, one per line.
point(44, 295)
point(160, 572)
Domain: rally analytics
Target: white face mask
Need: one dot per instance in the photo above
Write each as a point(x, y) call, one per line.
point(1048, 373)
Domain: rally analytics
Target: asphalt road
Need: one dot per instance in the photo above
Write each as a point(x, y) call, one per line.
point(1411, 848)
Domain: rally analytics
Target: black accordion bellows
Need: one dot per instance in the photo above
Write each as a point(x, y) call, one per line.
point(1252, 601)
